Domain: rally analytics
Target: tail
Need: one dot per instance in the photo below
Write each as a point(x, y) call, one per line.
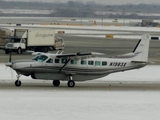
point(142, 49)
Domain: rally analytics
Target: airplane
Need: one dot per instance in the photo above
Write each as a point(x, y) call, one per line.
point(80, 66)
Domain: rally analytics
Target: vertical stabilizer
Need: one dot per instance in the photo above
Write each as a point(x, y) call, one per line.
point(142, 48)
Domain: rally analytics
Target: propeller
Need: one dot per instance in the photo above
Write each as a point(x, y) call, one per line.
point(9, 64)
point(10, 56)
point(11, 71)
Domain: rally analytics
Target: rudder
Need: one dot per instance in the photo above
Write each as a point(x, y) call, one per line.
point(142, 48)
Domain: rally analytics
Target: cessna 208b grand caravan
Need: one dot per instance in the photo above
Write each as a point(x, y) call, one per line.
point(80, 66)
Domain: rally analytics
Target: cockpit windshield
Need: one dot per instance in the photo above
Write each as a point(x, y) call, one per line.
point(40, 58)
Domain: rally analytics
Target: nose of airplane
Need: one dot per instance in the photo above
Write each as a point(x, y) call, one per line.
point(9, 64)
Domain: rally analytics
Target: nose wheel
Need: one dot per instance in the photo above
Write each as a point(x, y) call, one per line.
point(70, 83)
point(18, 82)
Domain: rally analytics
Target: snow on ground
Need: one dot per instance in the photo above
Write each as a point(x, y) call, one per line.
point(74, 104)
point(79, 105)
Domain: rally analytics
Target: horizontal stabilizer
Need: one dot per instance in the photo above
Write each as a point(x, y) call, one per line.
point(138, 62)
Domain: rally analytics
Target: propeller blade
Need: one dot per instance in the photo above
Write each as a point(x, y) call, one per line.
point(10, 56)
point(11, 73)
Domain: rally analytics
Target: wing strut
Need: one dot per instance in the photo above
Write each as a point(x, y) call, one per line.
point(64, 64)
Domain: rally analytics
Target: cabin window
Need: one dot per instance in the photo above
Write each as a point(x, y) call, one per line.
point(104, 63)
point(64, 60)
point(97, 63)
point(73, 61)
point(56, 60)
point(83, 62)
point(50, 61)
point(90, 62)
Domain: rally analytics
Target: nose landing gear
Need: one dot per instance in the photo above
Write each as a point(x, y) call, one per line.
point(18, 82)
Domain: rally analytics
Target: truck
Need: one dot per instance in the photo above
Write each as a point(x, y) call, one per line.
point(38, 40)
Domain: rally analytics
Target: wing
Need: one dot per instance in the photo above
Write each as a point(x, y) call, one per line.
point(76, 56)
point(79, 55)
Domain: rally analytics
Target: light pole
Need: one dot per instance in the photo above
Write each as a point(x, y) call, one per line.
point(80, 12)
point(102, 21)
point(81, 19)
point(123, 16)
point(102, 15)
point(81, 15)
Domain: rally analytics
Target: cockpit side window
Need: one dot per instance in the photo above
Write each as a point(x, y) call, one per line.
point(40, 58)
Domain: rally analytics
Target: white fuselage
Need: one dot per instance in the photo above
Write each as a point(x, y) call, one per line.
point(80, 69)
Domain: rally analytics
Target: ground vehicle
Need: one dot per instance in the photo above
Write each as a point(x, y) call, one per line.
point(40, 40)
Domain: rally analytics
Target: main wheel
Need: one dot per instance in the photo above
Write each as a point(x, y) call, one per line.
point(56, 83)
point(18, 83)
point(71, 83)
point(19, 51)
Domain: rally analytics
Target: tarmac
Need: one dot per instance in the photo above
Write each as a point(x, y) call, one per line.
point(81, 86)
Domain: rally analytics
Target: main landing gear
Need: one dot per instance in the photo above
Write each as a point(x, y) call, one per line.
point(70, 83)
point(18, 82)
point(56, 83)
